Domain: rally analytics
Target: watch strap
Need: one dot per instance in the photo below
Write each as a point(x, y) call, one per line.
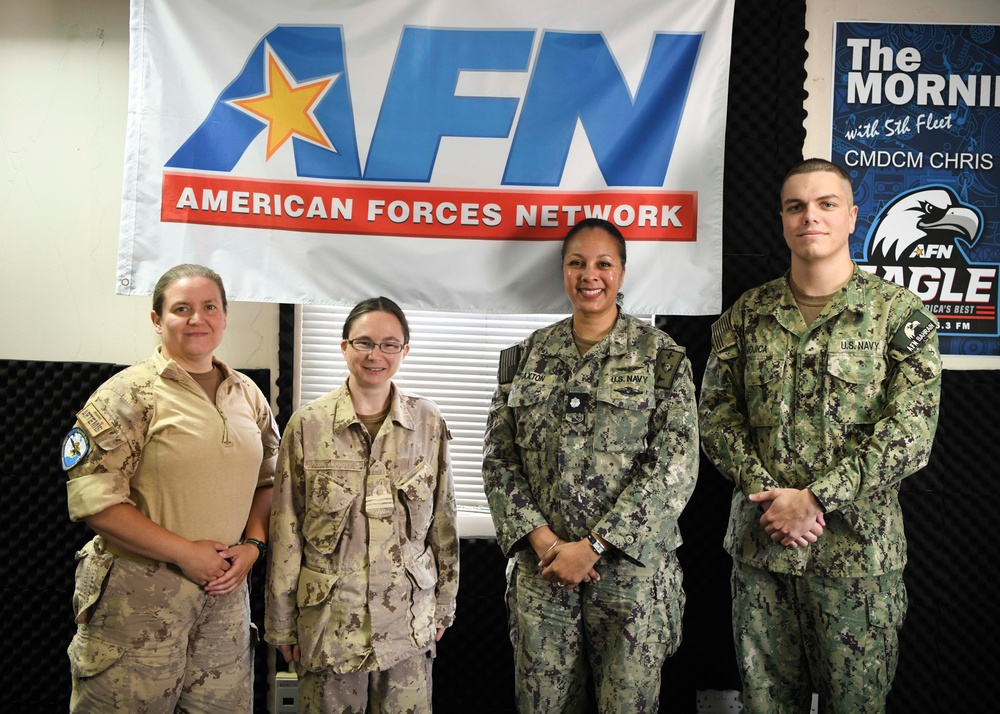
point(596, 544)
point(261, 546)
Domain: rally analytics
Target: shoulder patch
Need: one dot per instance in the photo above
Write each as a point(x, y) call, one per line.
point(723, 335)
point(98, 428)
point(916, 330)
point(510, 358)
point(74, 447)
point(667, 362)
point(93, 420)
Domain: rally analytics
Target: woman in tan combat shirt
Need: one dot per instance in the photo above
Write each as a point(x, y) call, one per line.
point(170, 463)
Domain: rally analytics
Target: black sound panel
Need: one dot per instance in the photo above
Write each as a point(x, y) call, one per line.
point(36, 563)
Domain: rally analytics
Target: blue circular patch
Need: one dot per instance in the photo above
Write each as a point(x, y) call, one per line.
point(75, 446)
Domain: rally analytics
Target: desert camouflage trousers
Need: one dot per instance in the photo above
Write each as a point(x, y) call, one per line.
point(404, 688)
point(617, 631)
point(150, 641)
point(796, 635)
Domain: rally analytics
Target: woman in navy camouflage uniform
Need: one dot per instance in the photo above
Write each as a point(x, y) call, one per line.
point(591, 454)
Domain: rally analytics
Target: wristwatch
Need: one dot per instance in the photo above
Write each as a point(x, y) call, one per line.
point(261, 546)
point(596, 544)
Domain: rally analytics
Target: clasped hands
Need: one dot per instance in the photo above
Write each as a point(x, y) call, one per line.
point(218, 568)
point(564, 564)
point(791, 517)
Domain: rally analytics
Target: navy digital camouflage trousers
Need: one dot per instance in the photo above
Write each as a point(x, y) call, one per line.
point(618, 630)
point(799, 634)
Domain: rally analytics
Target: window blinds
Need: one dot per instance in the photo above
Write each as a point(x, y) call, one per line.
point(452, 361)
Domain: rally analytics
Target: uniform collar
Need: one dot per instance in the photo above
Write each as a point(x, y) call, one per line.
point(559, 340)
point(857, 289)
point(778, 300)
point(344, 414)
point(169, 369)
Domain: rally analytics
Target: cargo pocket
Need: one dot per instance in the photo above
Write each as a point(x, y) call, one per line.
point(886, 611)
point(89, 656)
point(422, 573)
point(93, 564)
point(314, 587)
point(327, 603)
point(765, 403)
point(418, 501)
point(622, 421)
point(764, 396)
point(667, 606)
point(854, 393)
point(329, 502)
point(533, 408)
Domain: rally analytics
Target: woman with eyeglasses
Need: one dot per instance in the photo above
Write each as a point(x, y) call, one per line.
point(363, 573)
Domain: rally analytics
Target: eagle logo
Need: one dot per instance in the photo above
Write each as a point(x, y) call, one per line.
point(922, 240)
point(923, 217)
point(910, 328)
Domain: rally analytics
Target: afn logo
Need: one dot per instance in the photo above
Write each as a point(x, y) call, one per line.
point(296, 86)
point(919, 240)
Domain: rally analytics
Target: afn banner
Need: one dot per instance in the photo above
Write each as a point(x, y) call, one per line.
point(916, 121)
point(435, 151)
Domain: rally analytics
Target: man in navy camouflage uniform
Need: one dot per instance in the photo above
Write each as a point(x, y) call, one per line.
point(820, 395)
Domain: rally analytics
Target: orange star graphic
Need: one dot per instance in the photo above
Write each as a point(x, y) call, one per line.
point(287, 107)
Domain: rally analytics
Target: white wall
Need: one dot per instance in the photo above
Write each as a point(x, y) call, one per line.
point(64, 83)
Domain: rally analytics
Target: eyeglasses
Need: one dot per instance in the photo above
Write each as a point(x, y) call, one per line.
point(388, 348)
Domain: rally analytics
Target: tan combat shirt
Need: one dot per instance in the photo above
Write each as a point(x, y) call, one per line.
point(156, 441)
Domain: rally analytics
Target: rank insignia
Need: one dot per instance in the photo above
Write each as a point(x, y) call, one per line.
point(75, 446)
point(378, 503)
point(577, 403)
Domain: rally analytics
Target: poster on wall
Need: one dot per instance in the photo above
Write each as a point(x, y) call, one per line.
point(436, 152)
point(916, 122)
